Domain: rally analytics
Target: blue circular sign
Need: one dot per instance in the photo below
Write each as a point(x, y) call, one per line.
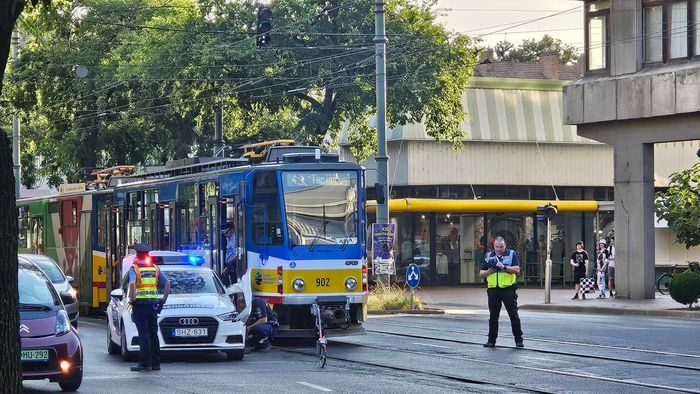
point(292, 265)
point(412, 276)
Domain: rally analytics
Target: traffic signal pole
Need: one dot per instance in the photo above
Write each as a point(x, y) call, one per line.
point(380, 72)
point(548, 266)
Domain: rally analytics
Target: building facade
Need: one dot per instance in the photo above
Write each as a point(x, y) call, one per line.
point(517, 154)
point(641, 89)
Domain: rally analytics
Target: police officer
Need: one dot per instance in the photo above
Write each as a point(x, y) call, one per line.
point(144, 280)
point(501, 269)
point(262, 325)
point(231, 258)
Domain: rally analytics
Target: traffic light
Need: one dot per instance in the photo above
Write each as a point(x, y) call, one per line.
point(548, 211)
point(264, 26)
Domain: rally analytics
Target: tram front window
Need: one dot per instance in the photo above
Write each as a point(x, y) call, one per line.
point(321, 207)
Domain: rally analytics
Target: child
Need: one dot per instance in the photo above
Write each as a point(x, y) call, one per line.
point(601, 283)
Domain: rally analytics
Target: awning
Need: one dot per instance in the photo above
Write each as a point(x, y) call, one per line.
point(462, 206)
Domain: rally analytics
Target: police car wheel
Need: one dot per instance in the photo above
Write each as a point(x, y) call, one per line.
point(126, 355)
point(112, 348)
point(235, 355)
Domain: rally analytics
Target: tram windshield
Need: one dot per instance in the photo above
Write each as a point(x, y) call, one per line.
point(321, 207)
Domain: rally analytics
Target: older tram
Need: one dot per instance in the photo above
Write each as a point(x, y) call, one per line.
point(299, 216)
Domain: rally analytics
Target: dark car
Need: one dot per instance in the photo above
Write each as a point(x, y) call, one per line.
point(61, 282)
point(51, 348)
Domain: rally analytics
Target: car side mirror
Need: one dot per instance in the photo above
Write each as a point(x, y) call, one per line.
point(70, 279)
point(117, 294)
point(67, 298)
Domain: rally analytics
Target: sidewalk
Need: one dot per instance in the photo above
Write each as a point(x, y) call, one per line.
point(458, 299)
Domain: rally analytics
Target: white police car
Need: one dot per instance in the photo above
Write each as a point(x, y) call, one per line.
point(199, 315)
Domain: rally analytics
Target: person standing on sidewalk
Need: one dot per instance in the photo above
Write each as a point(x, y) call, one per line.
point(501, 269)
point(579, 260)
point(602, 266)
point(611, 267)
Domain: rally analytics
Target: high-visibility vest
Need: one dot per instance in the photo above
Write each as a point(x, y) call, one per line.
point(501, 278)
point(146, 281)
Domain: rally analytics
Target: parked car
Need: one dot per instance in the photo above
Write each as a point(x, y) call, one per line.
point(61, 282)
point(201, 315)
point(51, 348)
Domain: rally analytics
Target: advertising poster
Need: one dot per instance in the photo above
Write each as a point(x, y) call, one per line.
point(383, 249)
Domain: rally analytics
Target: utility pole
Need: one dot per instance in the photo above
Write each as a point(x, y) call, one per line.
point(218, 131)
point(15, 124)
point(381, 158)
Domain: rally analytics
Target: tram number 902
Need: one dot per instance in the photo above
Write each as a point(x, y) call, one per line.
point(323, 282)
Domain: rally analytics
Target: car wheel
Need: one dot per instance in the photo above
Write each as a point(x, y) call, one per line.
point(235, 355)
point(73, 384)
point(126, 354)
point(112, 348)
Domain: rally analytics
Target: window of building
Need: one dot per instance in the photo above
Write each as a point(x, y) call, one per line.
point(670, 30)
point(597, 35)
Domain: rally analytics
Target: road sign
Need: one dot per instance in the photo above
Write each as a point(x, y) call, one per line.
point(413, 276)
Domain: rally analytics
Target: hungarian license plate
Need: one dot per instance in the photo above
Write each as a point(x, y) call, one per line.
point(190, 332)
point(35, 355)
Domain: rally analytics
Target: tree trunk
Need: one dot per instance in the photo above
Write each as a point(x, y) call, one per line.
point(10, 367)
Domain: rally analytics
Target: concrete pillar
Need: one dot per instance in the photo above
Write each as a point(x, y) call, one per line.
point(634, 220)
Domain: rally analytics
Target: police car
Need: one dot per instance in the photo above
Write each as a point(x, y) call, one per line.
point(199, 315)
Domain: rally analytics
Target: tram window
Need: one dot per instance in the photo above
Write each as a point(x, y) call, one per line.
point(267, 219)
point(24, 231)
point(187, 201)
point(150, 197)
point(102, 212)
point(69, 213)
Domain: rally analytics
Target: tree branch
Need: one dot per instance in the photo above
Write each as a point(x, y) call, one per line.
point(314, 103)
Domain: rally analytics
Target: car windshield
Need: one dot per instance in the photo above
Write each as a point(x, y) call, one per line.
point(50, 269)
point(321, 207)
point(34, 289)
point(192, 282)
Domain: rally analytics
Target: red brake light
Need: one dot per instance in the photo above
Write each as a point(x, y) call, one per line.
point(280, 283)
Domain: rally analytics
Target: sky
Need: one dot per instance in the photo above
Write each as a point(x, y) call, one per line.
point(478, 17)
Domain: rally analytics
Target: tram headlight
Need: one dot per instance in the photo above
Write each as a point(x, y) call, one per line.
point(350, 283)
point(298, 284)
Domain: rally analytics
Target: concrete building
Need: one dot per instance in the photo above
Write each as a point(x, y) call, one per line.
point(449, 205)
point(641, 87)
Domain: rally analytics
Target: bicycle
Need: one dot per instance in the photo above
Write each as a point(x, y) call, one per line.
point(322, 342)
point(664, 281)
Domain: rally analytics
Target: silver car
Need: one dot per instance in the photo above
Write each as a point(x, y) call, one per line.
point(60, 281)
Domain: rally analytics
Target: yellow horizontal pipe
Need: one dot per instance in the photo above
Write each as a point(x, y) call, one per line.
point(457, 206)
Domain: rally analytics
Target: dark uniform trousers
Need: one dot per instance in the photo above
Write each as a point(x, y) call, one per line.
point(263, 332)
point(509, 297)
point(146, 320)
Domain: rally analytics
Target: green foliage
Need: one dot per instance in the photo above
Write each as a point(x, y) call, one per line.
point(685, 288)
point(156, 69)
point(530, 51)
point(391, 298)
point(680, 205)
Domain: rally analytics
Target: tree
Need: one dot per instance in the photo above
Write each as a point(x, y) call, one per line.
point(155, 72)
point(679, 205)
point(10, 367)
point(530, 51)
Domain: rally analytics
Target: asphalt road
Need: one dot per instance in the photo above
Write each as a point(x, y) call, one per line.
point(431, 354)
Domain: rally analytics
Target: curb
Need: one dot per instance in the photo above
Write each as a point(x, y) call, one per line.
point(611, 311)
point(430, 311)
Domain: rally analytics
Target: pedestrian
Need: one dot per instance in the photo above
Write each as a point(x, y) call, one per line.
point(145, 278)
point(501, 269)
point(229, 276)
point(602, 266)
point(611, 267)
point(262, 325)
point(579, 260)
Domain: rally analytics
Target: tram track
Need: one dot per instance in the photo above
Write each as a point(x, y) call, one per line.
point(497, 364)
point(545, 351)
point(451, 377)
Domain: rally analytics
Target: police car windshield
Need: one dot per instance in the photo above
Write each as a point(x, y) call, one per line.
point(192, 282)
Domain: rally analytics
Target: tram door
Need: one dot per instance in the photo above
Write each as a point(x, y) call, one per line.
point(240, 220)
point(157, 226)
point(114, 250)
point(214, 234)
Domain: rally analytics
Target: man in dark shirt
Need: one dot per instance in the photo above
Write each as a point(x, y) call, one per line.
point(262, 325)
point(579, 260)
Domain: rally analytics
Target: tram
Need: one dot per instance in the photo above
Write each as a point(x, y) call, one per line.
point(299, 216)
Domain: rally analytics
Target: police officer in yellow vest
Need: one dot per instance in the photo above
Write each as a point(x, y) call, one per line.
point(501, 269)
point(144, 280)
